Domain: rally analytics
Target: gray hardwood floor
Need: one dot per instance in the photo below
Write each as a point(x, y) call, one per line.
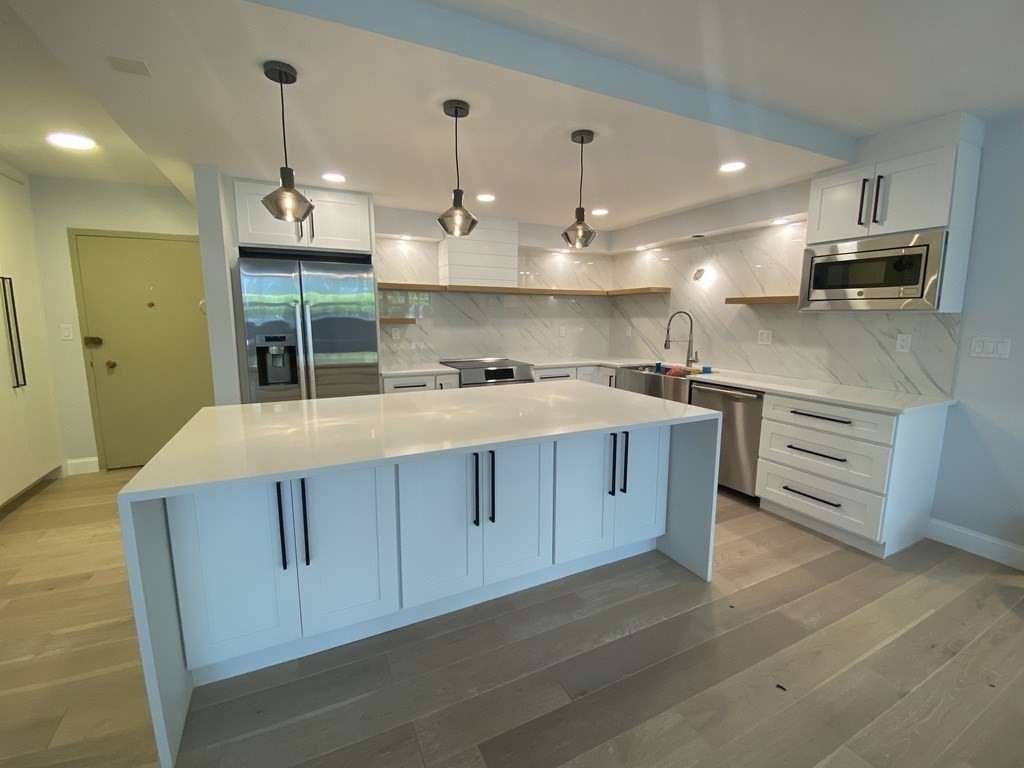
point(801, 652)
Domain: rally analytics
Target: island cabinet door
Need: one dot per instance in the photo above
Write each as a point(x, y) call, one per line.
point(235, 570)
point(584, 504)
point(440, 527)
point(347, 547)
point(641, 497)
point(518, 503)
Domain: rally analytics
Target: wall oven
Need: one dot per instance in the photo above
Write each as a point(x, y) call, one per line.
point(883, 273)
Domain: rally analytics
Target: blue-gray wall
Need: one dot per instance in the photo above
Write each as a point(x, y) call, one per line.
point(981, 483)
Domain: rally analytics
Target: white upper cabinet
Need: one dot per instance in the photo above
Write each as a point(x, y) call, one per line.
point(901, 195)
point(347, 547)
point(518, 520)
point(442, 537)
point(340, 221)
point(235, 571)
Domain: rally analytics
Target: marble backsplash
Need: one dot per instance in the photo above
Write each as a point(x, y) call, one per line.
point(855, 348)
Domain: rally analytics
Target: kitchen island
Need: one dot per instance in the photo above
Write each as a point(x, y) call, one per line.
point(262, 533)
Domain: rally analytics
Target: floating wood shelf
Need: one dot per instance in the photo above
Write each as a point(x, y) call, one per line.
point(520, 291)
point(762, 299)
point(397, 320)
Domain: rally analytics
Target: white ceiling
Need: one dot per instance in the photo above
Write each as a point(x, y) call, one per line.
point(860, 66)
point(368, 105)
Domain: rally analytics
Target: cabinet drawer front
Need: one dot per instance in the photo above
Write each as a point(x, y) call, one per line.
point(408, 383)
point(837, 419)
point(856, 462)
point(848, 508)
point(555, 374)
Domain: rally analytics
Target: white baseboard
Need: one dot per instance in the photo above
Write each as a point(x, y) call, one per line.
point(82, 466)
point(981, 544)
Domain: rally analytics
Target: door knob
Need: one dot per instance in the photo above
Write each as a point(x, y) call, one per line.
point(92, 341)
point(111, 363)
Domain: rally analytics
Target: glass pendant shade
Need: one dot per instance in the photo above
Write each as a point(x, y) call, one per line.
point(286, 203)
point(457, 221)
point(579, 234)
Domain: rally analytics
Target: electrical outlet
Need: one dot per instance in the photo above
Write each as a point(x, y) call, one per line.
point(991, 347)
point(394, 332)
point(67, 333)
point(764, 337)
point(561, 331)
point(903, 342)
point(629, 331)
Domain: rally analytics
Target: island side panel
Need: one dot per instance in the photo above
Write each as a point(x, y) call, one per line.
point(692, 495)
point(147, 548)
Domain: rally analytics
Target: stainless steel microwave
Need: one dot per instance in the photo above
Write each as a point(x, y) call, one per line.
point(886, 273)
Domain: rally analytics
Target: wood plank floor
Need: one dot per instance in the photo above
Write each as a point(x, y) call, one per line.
point(801, 652)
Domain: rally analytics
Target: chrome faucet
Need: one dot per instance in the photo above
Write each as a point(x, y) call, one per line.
point(691, 356)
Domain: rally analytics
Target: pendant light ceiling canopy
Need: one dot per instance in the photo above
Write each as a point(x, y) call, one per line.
point(579, 234)
point(457, 221)
point(285, 203)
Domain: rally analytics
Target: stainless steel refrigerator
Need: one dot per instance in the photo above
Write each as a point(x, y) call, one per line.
point(309, 326)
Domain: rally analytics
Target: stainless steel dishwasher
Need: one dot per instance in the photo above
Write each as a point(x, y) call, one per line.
point(741, 431)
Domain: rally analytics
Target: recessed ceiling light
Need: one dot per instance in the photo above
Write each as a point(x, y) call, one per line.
point(71, 141)
point(732, 166)
point(641, 247)
point(406, 237)
point(337, 178)
point(485, 198)
point(780, 220)
point(600, 211)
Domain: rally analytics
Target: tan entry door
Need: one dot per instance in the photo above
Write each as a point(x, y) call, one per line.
point(146, 346)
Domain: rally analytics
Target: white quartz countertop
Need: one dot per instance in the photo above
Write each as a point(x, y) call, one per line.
point(285, 441)
point(840, 394)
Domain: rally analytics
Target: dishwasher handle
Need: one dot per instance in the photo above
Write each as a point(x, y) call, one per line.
point(729, 392)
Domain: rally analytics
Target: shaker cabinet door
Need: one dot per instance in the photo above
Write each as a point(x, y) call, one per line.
point(340, 221)
point(518, 510)
point(641, 501)
point(347, 547)
point(441, 533)
point(235, 571)
point(584, 506)
point(839, 208)
point(913, 192)
point(255, 224)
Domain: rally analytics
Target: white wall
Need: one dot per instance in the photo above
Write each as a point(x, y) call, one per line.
point(59, 204)
point(981, 480)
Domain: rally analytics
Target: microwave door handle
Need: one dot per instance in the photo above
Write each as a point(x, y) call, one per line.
point(860, 206)
point(300, 350)
point(309, 351)
point(878, 197)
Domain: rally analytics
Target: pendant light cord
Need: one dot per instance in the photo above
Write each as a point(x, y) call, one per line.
point(457, 178)
point(581, 174)
point(284, 135)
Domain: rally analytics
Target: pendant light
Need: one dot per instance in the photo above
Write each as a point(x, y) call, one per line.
point(457, 221)
point(285, 203)
point(579, 234)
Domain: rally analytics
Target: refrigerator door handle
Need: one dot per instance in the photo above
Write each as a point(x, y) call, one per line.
point(300, 351)
point(311, 362)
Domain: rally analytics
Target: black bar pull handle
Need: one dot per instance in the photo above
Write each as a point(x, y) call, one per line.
point(280, 528)
point(809, 496)
point(312, 226)
point(476, 489)
point(494, 480)
point(860, 206)
point(305, 518)
point(615, 456)
point(823, 418)
point(878, 196)
point(625, 461)
point(611, 380)
point(14, 333)
point(815, 453)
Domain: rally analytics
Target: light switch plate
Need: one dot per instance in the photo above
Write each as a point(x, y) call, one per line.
point(990, 347)
point(903, 342)
point(629, 331)
point(67, 333)
point(764, 337)
point(394, 332)
point(561, 331)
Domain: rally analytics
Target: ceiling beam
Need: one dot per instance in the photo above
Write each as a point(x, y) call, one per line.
point(482, 40)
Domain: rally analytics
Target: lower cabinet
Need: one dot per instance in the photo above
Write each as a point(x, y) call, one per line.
point(235, 570)
point(347, 546)
point(641, 500)
point(597, 374)
point(473, 519)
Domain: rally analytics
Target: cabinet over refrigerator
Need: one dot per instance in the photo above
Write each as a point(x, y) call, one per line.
point(308, 326)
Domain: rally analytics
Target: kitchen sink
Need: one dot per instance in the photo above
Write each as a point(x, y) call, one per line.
point(645, 380)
